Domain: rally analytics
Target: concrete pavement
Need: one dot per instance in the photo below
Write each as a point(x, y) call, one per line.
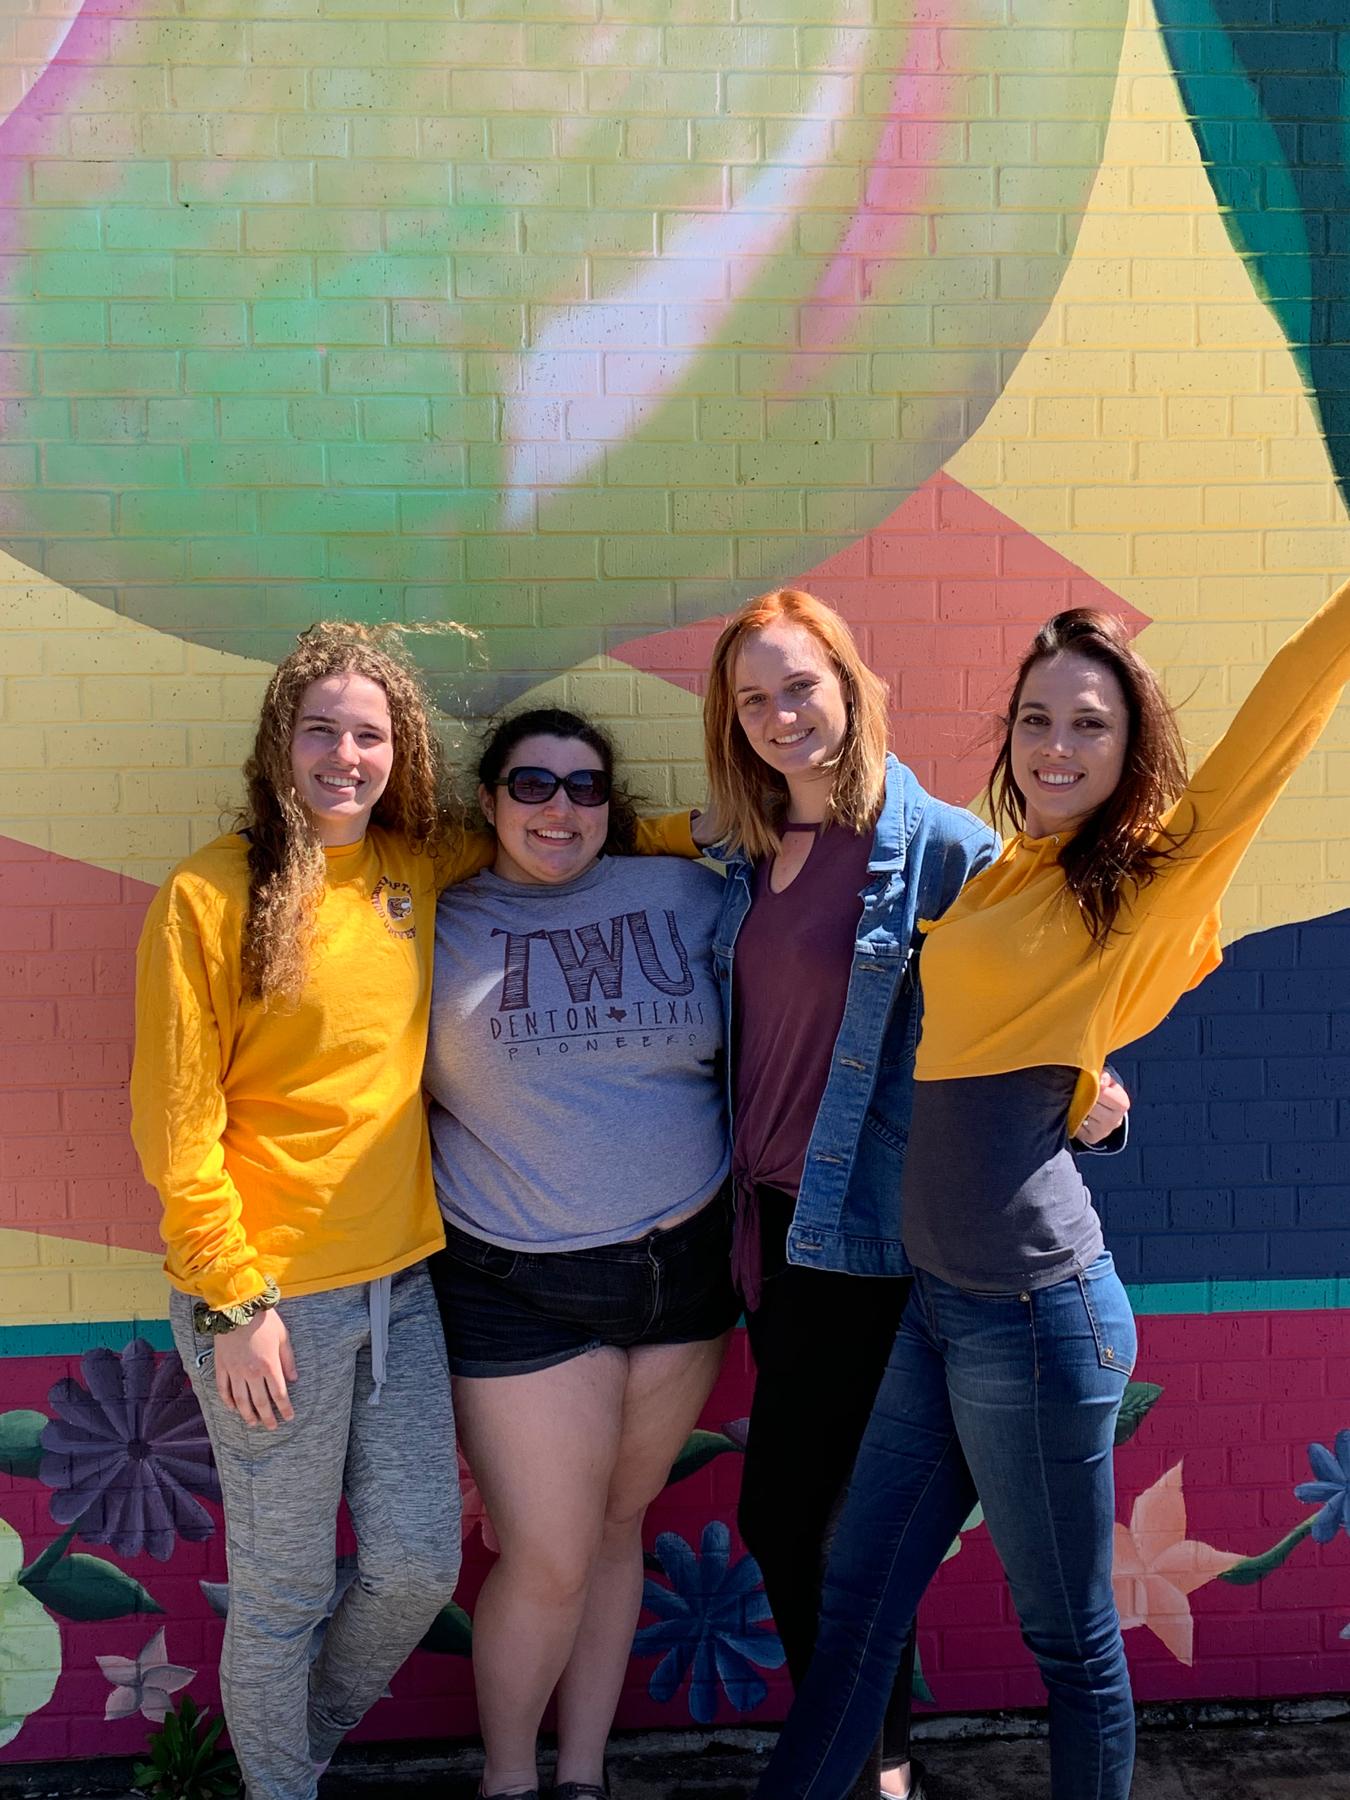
point(1304, 1760)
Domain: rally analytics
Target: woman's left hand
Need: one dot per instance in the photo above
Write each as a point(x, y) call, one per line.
point(1107, 1113)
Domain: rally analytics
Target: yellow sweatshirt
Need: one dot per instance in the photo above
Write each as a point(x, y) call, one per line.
point(293, 1144)
point(1010, 978)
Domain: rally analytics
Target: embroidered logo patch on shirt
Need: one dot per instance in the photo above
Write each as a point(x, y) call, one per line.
point(393, 901)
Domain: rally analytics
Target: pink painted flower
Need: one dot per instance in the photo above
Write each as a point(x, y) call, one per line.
point(147, 1685)
point(473, 1511)
point(1157, 1567)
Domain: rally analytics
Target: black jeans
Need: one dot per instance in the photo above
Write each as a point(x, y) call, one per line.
point(821, 1342)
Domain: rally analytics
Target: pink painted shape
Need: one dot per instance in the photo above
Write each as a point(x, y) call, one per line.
point(67, 1166)
point(943, 596)
point(891, 221)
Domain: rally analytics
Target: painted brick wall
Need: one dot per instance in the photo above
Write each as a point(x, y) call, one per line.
point(575, 322)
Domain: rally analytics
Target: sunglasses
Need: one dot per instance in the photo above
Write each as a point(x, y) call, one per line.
point(531, 787)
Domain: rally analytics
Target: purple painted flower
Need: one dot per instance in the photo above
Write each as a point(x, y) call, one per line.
point(711, 1625)
point(146, 1685)
point(1331, 1490)
point(127, 1455)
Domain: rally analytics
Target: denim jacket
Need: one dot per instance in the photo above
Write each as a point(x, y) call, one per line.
point(923, 852)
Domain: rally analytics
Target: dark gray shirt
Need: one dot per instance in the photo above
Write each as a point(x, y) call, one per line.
point(991, 1199)
point(574, 1055)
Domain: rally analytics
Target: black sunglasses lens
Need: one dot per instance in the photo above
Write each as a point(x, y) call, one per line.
point(531, 786)
point(587, 787)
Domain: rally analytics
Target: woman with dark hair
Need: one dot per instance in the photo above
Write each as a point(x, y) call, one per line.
point(282, 991)
point(835, 853)
point(1013, 1355)
point(580, 1153)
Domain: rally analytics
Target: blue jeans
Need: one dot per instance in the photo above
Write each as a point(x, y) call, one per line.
point(1011, 1399)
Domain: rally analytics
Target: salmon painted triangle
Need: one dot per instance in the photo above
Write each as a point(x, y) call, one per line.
point(943, 597)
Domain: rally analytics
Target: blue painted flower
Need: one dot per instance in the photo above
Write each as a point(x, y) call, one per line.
point(712, 1620)
point(1331, 1490)
point(127, 1456)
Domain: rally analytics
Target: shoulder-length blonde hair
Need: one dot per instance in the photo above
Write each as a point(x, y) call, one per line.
point(286, 863)
point(749, 797)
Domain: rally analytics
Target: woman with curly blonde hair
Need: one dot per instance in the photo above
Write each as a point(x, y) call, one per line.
point(283, 983)
point(283, 992)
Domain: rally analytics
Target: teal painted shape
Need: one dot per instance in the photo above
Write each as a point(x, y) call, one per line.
point(1159, 1298)
point(73, 1339)
point(1155, 1299)
point(1270, 105)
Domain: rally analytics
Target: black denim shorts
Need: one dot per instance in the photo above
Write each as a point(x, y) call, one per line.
point(511, 1312)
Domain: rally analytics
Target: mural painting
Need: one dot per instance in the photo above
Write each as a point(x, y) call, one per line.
point(551, 332)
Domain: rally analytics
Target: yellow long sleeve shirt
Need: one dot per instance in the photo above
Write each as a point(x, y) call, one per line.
point(293, 1144)
point(1010, 977)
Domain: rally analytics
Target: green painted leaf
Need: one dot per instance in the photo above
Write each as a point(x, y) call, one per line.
point(1140, 1399)
point(30, 1644)
point(700, 1448)
point(919, 1686)
point(21, 1442)
point(85, 1587)
point(1256, 1568)
point(450, 1633)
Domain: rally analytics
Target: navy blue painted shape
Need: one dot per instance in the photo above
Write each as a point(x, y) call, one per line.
point(1239, 1162)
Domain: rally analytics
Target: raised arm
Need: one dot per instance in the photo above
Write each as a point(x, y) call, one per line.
point(1247, 770)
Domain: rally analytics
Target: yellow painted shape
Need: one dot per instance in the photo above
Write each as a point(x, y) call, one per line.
point(48, 1279)
point(121, 745)
point(1173, 454)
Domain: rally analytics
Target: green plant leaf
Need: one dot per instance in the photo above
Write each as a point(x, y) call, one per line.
point(1256, 1568)
point(85, 1587)
point(1140, 1399)
point(700, 1448)
point(184, 1762)
point(450, 1632)
point(21, 1442)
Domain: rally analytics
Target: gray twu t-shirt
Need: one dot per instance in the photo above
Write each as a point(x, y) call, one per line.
point(574, 1056)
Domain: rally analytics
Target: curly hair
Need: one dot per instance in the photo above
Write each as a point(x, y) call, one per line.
point(556, 722)
point(748, 797)
point(1126, 842)
point(285, 857)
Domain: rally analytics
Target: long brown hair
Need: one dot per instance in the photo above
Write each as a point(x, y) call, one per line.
point(285, 857)
point(556, 722)
point(749, 797)
point(1124, 843)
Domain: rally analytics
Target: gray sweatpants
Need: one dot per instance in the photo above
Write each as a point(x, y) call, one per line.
point(393, 1462)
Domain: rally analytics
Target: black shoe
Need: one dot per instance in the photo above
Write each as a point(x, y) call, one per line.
point(579, 1790)
point(520, 1794)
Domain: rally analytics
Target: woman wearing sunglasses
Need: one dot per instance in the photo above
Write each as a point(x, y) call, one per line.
point(580, 1153)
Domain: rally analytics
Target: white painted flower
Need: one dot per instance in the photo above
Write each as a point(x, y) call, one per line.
point(146, 1685)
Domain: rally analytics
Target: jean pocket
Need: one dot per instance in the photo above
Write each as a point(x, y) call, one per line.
point(477, 1253)
point(1111, 1319)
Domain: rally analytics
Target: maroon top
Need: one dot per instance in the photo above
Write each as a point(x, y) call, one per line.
point(794, 956)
